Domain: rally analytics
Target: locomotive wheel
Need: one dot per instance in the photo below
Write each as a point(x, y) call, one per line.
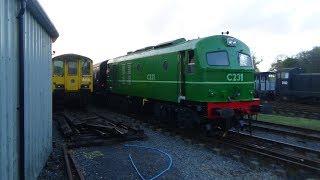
point(157, 111)
point(166, 114)
point(135, 105)
point(163, 113)
point(187, 118)
point(124, 105)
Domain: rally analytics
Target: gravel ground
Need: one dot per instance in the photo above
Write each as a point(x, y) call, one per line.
point(55, 166)
point(190, 161)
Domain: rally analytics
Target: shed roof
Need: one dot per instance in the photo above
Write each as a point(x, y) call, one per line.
point(42, 18)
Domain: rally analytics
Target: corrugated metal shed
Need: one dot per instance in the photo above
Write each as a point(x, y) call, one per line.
point(38, 97)
point(39, 34)
point(8, 89)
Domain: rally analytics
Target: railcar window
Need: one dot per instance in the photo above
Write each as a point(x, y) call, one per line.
point(245, 60)
point(58, 68)
point(284, 75)
point(272, 77)
point(85, 67)
point(218, 58)
point(72, 67)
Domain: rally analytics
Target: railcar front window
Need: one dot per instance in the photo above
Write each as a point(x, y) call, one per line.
point(58, 68)
point(218, 58)
point(284, 75)
point(72, 67)
point(85, 68)
point(245, 60)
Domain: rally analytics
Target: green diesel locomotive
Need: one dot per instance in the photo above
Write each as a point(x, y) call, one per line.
point(206, 80)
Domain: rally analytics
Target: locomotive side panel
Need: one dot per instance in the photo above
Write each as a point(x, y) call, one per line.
point(153, 77)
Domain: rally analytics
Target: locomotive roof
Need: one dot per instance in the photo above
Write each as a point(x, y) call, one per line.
point(71, 56)
point(100, 63)
point(174, 46)
point(312, 74)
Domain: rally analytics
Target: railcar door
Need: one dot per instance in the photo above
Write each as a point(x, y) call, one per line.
point(72, 75)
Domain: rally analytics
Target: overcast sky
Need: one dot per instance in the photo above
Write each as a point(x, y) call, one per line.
point(102, 29)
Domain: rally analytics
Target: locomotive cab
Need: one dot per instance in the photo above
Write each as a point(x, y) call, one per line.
point(222, 77)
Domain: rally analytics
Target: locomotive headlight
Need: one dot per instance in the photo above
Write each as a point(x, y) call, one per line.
point(85, 86)
point(231, 41)
point(59, 86)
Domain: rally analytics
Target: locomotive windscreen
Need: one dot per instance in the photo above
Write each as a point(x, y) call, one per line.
point(218, 58)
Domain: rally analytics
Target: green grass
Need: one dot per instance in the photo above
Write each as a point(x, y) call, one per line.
point(291, 121)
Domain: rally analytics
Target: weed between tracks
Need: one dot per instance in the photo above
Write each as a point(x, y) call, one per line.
point(291, 121)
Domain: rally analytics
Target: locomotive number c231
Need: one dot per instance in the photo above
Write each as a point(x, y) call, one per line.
point(235, 77)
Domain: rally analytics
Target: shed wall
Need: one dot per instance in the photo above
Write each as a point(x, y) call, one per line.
point(37, 77)
point(8, 90)
point(38, 97)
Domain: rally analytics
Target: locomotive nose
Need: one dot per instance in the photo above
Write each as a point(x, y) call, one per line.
point(234, 93)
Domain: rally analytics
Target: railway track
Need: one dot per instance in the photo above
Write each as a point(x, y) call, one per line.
point(300, 157)
point(296, 109)
point(89, 129)
point(302, 133)
point(82, 129)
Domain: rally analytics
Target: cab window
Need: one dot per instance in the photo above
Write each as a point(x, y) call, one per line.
point(72, 67)
point(245, 60)
point(58, 68)
point(85, 67)
point(191, 62)
point(218, 58)
point(191, 59)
